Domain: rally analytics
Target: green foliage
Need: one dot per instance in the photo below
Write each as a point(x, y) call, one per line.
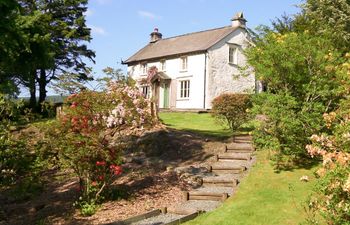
point(306, 77)
point(87, 208)
point(20, 164)
point(41, 40)
point(299, 63)
point(231, 109)
point(330, 18)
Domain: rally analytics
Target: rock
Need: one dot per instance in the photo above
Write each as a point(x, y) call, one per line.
point(169, 168)
point(304, 178)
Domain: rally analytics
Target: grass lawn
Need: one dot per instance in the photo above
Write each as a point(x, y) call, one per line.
point(265, 197)
point(202, 123)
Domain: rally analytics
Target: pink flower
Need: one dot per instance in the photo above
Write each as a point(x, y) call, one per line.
point(74, 104)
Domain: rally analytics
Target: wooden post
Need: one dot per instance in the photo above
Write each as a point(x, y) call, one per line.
point(164, 210)
point(224, 197)
point(186, 195)
point(216, 158)
point(209, 168)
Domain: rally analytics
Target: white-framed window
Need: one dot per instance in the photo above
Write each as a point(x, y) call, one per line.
point(163, 65)
point(184, 88)
point(146, 91)
point(143, 68)
point(233, 55)
point(183, 64)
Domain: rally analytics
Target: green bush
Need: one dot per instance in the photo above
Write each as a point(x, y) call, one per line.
point(20, 163)
point(231, 109)
point(305, 79)
point(287, 126)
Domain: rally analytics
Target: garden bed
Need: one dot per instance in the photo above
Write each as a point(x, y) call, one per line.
point(149, 182)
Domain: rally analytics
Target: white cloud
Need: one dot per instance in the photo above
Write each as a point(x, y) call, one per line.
point(97, 30)
point(148, 15)
point(89, 12)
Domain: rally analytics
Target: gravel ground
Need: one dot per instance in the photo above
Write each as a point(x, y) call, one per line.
point(158, 220)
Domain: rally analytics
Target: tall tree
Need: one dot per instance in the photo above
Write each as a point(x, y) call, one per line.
point(51, 38)
point(330, 18)
point(8, 44)
point(69, 35)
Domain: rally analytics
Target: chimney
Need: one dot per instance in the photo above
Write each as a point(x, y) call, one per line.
point(155, 35)
point(238, 20)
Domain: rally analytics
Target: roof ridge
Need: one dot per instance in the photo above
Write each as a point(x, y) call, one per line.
point(181, 35)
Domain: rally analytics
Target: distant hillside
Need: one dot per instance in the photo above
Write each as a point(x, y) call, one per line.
point(52, 98)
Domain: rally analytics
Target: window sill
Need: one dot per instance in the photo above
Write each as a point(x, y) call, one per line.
point(183, 99)
point(183, 71)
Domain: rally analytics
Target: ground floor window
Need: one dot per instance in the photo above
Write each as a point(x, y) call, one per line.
point(184, 89)
point(146, 91)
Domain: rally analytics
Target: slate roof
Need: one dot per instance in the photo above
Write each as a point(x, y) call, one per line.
point(187, 43)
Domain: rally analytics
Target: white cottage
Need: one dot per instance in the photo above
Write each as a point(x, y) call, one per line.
point(193, 69)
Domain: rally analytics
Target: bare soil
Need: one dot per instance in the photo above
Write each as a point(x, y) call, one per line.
point(148, 183)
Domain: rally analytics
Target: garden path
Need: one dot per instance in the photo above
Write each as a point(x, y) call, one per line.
point(216, 181)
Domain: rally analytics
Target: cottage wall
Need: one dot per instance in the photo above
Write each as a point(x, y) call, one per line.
point(195, 74)
point(224, 77)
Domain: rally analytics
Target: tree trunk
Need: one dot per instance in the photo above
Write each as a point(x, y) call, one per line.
point(42, 86)
point(32, 90)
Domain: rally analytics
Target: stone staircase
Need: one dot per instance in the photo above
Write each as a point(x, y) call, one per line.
point(217, 185)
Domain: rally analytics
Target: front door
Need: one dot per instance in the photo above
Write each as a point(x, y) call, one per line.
point(166, 95)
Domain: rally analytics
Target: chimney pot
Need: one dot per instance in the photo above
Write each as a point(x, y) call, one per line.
point(155, 35)
point(239, 21)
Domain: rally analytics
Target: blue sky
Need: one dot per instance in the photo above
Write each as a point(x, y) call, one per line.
point(121, 27)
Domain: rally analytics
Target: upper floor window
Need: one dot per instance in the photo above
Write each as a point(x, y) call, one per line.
point(144, 68)
point(184, 63)
point(184, 89)
point(163, 65)
point(233, 55)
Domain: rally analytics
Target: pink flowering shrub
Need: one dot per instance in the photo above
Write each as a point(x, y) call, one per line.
point(92, 133)
point(333, 191)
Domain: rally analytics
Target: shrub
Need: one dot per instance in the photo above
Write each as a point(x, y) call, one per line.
point(20, 166)
point(94, 130)
point(286, 128)
point(306, 78)
point(332, 200)
point(231, 109)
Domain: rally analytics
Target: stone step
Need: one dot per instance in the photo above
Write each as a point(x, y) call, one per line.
point(239, 150)
point(209, 194)
point(239, 146)
point(232, 156)
point(223, 167)
point(219, 181)
point(242, 137)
